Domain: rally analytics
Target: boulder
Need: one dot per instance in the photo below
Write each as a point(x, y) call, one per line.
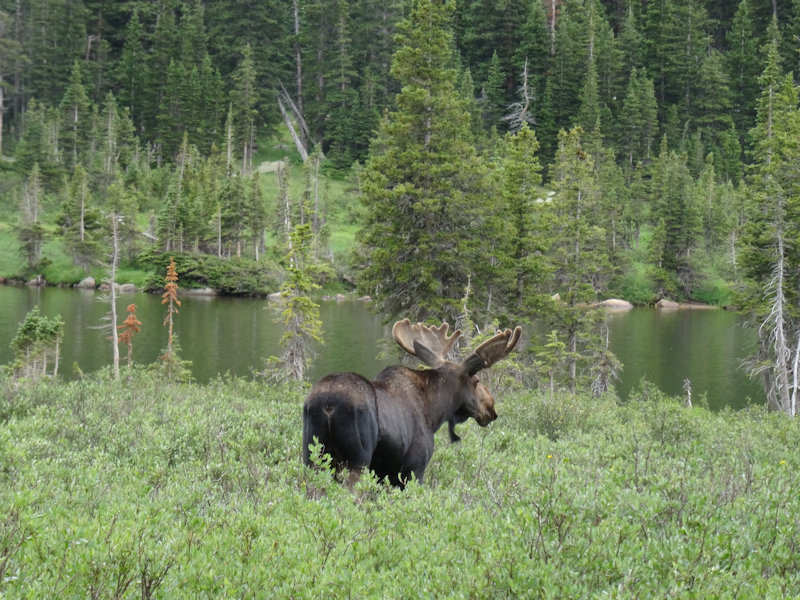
point(126, 288)
point(667, 304)
point(204, 291)
point(38, 281)
point(87, 284)
point(614, 303)
point(697, 306)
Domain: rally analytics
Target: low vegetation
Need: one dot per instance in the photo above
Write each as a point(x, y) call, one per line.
point(149, 490)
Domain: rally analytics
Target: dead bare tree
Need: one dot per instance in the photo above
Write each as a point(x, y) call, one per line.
point(520, 111)
point(112, 293)
point(299, 139)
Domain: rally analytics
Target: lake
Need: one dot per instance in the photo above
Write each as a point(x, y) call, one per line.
point(236, 335)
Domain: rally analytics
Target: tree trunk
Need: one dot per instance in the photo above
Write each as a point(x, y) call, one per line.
point(298, 57)
point(2, 111)
point(113, 292)
point(55, 363)
point(229, 139)
point(297, 141)
point(219, 232)
point(83, 210)
point(573, 366)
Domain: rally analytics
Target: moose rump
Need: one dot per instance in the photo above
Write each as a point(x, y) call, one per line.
point(340, 412)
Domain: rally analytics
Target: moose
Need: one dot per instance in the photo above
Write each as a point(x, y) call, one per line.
point(387, 425)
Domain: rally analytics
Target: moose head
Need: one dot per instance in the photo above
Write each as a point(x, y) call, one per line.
point(387, 424)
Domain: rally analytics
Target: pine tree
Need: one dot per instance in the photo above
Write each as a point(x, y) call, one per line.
point(31, 231)
point(128, 75)
point(494, 94)
point(717, 208)
point(170, 298)
point(11, 58)
point(422, 188)
point(244, 102)
point(35, 344)
point(80, 220)
point(605, 53)
point(164, 46)
point(741, 67)
point(76, 112)
point(578, 251)
point(674, 204)
point(631, 42)
point(522, 220)
point(533, 47)
point(300, 316)
point(171, 122)
point(130, 326)
point(638, 119)
point(712, 111)
point(488, 29)
point(770, 258)
point(589, 112)
point(568, 70)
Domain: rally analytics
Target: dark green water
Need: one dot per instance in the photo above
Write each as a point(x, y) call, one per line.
point(217, 335)
point(669, 346)
point(222, 335)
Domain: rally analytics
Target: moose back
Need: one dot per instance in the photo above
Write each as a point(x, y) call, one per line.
point(387, 425)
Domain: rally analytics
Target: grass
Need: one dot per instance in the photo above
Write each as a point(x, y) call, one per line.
point(10, 260)
point(145, 489)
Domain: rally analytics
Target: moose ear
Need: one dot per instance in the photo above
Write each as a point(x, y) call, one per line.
point(427, 356)
point(474, 363)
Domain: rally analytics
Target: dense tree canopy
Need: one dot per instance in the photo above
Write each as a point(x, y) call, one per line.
point(522, 150)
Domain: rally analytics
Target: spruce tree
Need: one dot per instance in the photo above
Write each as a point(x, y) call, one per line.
point(245, 99)
point(128, 74)
point(523, 221)
point(771, 240)
point(674, 204)
point(76, 115)
point(30, 231)
point(80, 220)
point(422, 187)
point(589, 110)
point(742, 68)
point(494, 94)
point(638, 123)
point(578, 252)
point(631, 42)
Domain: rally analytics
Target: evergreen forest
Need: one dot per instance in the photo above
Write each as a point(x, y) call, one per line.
point(470, 160)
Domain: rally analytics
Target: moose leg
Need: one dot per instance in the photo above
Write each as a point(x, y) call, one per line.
point(353, 476)
point(451, 428)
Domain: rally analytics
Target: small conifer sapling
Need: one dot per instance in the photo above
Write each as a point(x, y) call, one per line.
point(129, 326)
point(170, 298)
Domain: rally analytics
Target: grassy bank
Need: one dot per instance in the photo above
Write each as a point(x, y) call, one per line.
point(151, 491)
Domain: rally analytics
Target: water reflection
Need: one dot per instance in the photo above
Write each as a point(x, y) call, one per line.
point(668, 347)
point(222, 335)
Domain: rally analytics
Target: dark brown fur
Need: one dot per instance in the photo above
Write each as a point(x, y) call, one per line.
point(387, 425)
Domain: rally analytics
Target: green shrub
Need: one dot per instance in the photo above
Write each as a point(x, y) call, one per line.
point(198, 491)
point(234, 276)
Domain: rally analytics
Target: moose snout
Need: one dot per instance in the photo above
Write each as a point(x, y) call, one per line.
point(486, 417)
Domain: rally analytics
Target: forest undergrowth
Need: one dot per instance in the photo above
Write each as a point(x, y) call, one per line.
point(134, 488)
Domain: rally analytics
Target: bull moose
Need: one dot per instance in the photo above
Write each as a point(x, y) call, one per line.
point(387, 425)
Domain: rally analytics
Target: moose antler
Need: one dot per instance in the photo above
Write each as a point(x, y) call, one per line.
point(429, 344)
point(494, 349)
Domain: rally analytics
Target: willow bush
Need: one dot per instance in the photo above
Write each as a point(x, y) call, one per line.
point(150, 490)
